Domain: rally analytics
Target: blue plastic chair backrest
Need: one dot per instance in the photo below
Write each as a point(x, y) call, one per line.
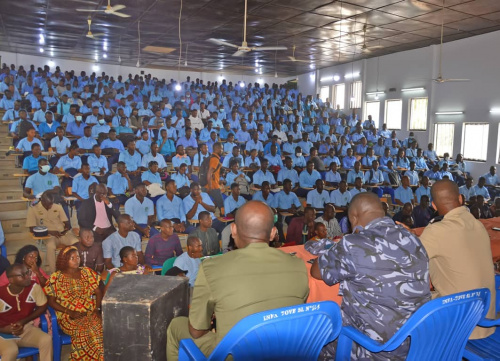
point(440, 328)
point(497, 289)
point(289, 333)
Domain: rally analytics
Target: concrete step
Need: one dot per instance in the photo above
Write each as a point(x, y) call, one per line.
point(13, 221)
point(15, 241)
point(13, 205)
point(8, 193)
point(10, 182)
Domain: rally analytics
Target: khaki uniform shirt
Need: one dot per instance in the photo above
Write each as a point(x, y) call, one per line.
point(460, 258)
point(245, 281)
point(53, 218)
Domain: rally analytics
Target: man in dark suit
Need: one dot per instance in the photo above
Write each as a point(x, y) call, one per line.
point(97, 212)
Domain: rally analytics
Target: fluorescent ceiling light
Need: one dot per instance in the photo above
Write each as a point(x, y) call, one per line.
point(326, 78)
point(412, 89)
point(41, 50)
point(352, 75)
point(495, 110)
point(449, 113)
point(105, 56)
point(311, 66)
point(336, 78)
point(42, 39)
point(375, 93)
point(95, 67)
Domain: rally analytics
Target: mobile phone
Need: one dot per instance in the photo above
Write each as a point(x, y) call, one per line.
point(311, 261)
point(496, 228)
point(292, 253)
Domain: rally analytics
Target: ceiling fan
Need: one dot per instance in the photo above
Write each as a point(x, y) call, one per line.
point(440, 78)
point(368, 49)
point(244, 48)
point(113, 10)
point(294, 59)
point(90, 34)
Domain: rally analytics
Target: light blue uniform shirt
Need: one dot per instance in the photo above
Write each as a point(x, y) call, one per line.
point(97, 163)
point(151, 177)
point(285, 201)
point(65, 162)
point(270, 201)
point(31, 164)
point(286, 173)
point(25, 145)
point(491, 180)
point(340, 199)
point(75, 129)
point(132, 161)
point(254, 145)
point(260, 177)
point(348, 162)
point(189, 202)
point(355, 191)
point(413, 175)
point(114, 243)
point(166, 209)
point(482, 192)
point(467, 192)
point(143, 146)
point(274, 160)
point(191, 265)
point(39, 183)
point(98, 129)
point(404, 195)
point(81, 185)
point(318, 200)
point(333, 177)
point(86, 143)
point(113, 144)
point(249, 160)
point(158, 158)
point(139, 211)
point(181, 180)
point(352, 175)
point(307, 180)
point(60, 145)
point(230, 204)
point(177, 161)
point(117, 183)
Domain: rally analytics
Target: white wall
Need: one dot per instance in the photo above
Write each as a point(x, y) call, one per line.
point(474, 58)
point(115, 69)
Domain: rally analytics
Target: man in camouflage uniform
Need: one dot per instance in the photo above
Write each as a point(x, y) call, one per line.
point(383, 271)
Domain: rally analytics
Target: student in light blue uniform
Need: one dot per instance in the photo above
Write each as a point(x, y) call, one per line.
point(119, 184)
point(30, 163)
point(263, 174)
point(115, 242)
point(307, 179)
point(142, 211)
point(25, 144)
point(265, 195)
point(41, 181)
point(403, 194)
point(287, 172)
point(318, 197)
point(81, 184)
point(233, 201)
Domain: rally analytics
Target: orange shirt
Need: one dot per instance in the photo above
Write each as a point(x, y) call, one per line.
point(216, 166)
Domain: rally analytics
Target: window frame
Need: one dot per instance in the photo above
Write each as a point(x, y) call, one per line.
point(356, 88)
point(366, 114)
point(410, 114)
point(435, 142)
point(463, 148)
point(334, 96)
point(386, 113)
point(322, 88)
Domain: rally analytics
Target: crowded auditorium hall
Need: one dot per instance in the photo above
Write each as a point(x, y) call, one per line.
point(325, 191)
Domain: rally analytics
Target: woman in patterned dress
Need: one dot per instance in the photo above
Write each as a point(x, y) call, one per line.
point(74, 293)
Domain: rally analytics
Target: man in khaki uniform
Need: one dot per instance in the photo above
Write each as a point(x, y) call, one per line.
point(459, 250)
point(46, 213)
point(251, 279)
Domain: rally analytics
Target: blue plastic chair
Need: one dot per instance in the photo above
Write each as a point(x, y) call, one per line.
point(289, 333)
point(59, 338)
point(438, 330)
point(486, 348)
point(3, 250)
point(26, 352)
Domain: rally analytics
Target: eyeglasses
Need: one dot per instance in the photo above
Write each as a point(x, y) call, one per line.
point(24, 274)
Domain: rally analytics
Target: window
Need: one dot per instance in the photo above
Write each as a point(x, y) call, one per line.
point(443, 138)
point(498, 145)
point(355, 101)
point(373, 109)
point(418, 114)
point(475, 141)
point(324, 93)
point(393, 111)
point(338, 95)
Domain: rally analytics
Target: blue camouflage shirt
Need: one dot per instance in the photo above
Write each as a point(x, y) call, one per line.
point(383, 273)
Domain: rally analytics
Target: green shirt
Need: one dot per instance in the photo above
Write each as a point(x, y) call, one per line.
point(243, 282)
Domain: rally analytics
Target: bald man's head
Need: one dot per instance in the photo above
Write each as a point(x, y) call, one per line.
point(445, 196)
point(364, 208)
point(254, 223)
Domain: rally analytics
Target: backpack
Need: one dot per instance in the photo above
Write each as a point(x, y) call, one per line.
point(394, 178)
point(203, 173)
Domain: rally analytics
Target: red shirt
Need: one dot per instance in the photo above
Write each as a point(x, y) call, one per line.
point(11, 311)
